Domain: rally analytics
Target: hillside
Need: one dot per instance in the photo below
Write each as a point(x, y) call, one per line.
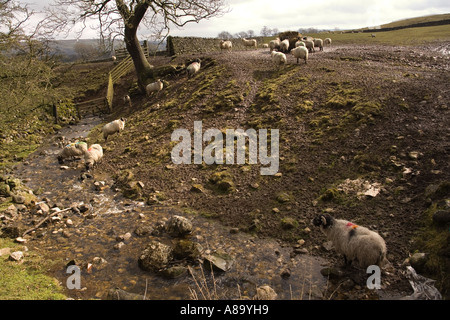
point(417, 20)
point(352, 119)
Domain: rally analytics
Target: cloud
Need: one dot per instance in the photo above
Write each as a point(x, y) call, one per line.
point(285, 15)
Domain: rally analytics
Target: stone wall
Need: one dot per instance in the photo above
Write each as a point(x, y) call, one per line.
point(186, 45)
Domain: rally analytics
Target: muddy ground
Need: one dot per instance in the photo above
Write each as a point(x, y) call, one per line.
point(374, 113)
point(353, 117)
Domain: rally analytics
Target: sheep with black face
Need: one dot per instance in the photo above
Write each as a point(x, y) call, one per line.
point(360, 246)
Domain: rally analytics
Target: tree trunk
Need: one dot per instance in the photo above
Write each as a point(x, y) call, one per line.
point(142, 66)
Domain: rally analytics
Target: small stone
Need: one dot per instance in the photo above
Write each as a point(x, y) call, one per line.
point(413, 155)
point(124, 237)
point(275, 210)
point(119, 245)
point(197, 188)
point(265, 293)
point(16, 256)
point(21, 240)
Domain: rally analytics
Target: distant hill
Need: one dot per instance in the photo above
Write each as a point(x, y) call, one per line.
point(66, 49)
point(418, 20)
point(425, 21)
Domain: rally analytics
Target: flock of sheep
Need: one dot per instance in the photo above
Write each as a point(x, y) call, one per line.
point(360, 246)
point(279, 48)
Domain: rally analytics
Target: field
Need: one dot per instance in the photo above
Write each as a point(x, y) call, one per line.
point(367, 112)
point(362, 111)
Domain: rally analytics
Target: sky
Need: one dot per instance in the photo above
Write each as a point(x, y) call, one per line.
point(244, 15)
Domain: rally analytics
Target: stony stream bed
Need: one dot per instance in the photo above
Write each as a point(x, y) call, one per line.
point(102, 240)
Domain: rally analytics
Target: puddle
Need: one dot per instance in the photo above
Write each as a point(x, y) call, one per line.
point(257, 261)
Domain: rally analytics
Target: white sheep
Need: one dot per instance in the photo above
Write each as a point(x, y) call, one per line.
point(274, 44)
point(284, 45)
point(127, 100)
point(92, 156)
point(278, 58)
point(250, 42)
point(265, 45)
point(309, 45)
point(154, 87)
point(300, 43)
point(226, 45)
point(113, 127)
point(193, 68)
point(327, 41)
point(74, 149)
point(113, 58)
point(318, 43)
point(357, 244)
point(300, 53)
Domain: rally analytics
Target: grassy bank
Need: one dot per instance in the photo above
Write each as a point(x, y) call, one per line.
point(25, 279)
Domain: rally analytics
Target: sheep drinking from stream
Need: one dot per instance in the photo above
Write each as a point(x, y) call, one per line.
point(72, 150)
point(93, 155)
point(113, 127)
point(357, 244)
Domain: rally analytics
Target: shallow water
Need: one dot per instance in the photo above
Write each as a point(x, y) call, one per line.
point(93, 234)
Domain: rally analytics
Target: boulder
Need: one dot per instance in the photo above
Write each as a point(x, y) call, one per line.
point(156, 256)
point(441, 217)
point(178, 226)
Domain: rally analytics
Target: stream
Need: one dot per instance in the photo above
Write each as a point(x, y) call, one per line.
point(91, 237)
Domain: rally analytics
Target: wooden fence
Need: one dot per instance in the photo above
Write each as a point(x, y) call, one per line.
point(124, 67)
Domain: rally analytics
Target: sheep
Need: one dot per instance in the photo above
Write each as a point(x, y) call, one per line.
point(127, 100)
point(265, 45)
point(309, 45)
point(357, 244)
point(274, 44)
point(318, 43)
point(300, 43)
point(113, 127)
point(113, 58)
point(193, 68)
point(300, 53)
point(154, 87)
point(92, 156)
point(327, 41)
point(226, 45)
point(278, 58)
point(250, 42)
point(71, 150)
point(284, 45)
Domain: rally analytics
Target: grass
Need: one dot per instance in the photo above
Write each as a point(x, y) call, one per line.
point(406, 37)
point(26, 279)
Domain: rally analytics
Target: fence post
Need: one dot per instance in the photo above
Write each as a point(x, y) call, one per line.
point(110, 93)
point(55, 112)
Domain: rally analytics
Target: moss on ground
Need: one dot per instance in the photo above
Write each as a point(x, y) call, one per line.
point(26, 279)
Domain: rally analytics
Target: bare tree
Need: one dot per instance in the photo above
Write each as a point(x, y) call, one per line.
point(225, 35)
point(124, 17)
point(265, 31)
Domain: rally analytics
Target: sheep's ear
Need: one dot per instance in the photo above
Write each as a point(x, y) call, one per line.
point(324, 220)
